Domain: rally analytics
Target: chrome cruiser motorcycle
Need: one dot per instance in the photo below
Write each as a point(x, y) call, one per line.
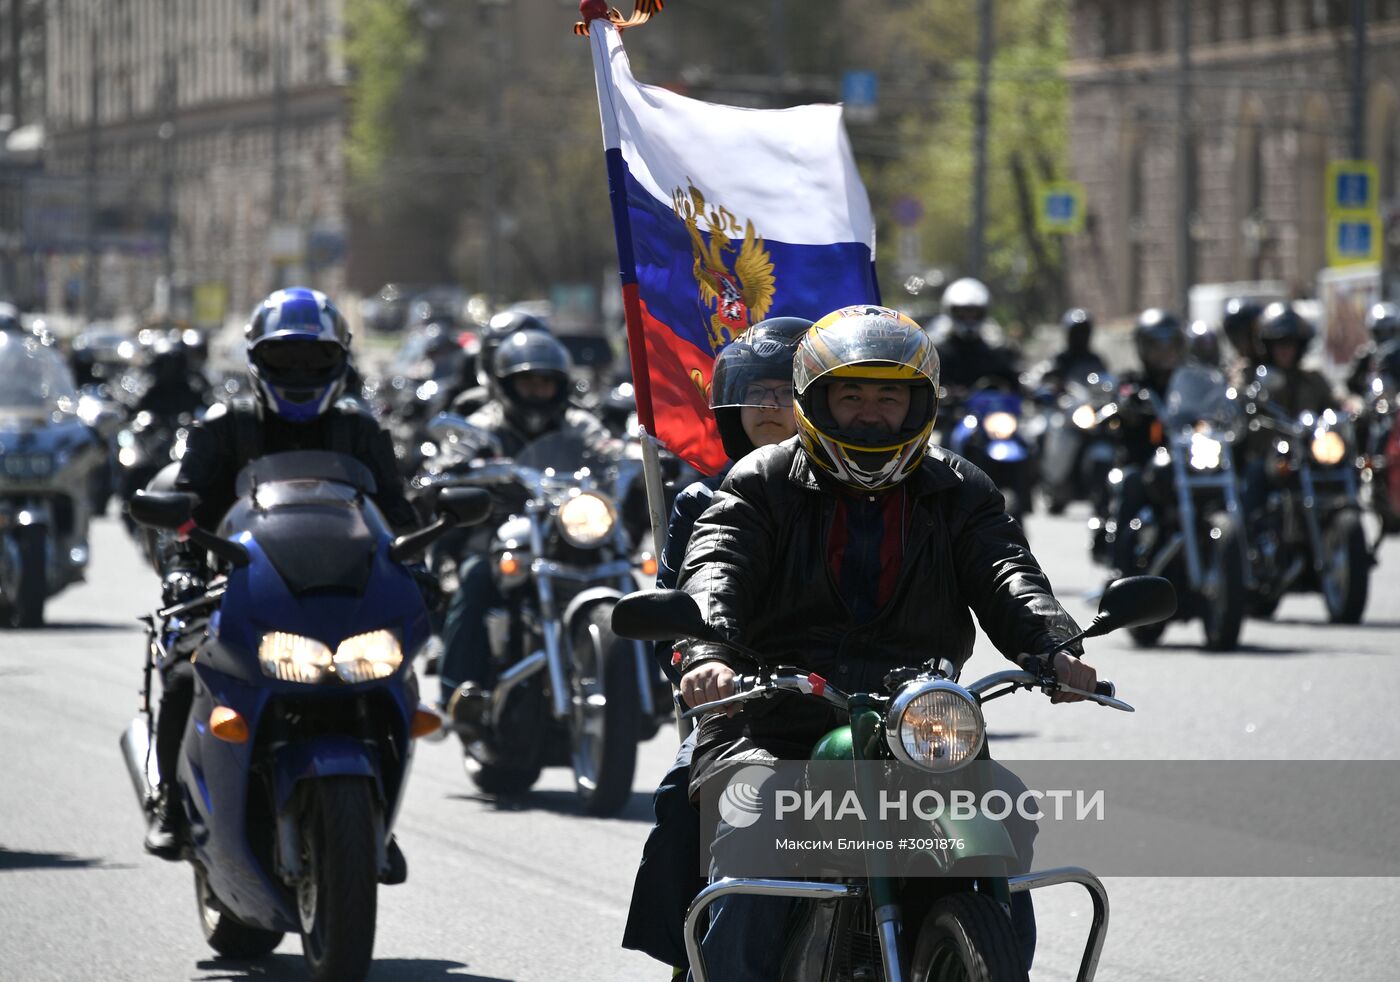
point(1307, 534)
point(48, 457)
point(957, 919)
point(1190, 528)
point(568, 691)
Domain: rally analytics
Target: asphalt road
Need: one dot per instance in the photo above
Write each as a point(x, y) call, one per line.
point(534, 891)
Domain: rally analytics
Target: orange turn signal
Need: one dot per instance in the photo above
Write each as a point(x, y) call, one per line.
point(228, 726)
point(648, 564)
point(508, 564)
point(425, 721)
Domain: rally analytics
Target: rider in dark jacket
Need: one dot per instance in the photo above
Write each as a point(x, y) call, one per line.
point(172, 390)
point(298, 349)
point(914, 540)
point(751, 398)
point(1383, 326)
point(1077, 359)
point(532, 374)
point(1285, 336)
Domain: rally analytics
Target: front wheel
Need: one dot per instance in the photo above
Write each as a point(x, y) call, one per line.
point(336, 897)
point(604, 721)
point(1224, 595)
point(225, 933)
point(1346, 573)
point(967, 937)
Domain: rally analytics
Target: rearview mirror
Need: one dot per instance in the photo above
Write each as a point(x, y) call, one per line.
point(659, 615)
point(1132, 602)
point(161, 509)
point(464, 506)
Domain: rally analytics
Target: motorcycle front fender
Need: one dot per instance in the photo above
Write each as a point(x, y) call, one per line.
point(325, 756)
point(586, 599)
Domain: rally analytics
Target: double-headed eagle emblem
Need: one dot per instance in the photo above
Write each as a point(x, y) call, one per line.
point(736, 297)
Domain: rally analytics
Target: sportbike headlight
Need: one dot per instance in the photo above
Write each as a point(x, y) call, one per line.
point(935, 725)
point(1206, 452)
point(293, 658)
point(586, 519)
point(1328, 448)
point(1085, 418)
point(1001, 425)
point(366, 657)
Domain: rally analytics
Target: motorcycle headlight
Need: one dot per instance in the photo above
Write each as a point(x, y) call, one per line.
point(586, 519)
point(1328, 448)
point(1205, 452)
point(1000, 426)
point(293, 658)
point(935, 725)
point(365, 657)
point(1085, 418)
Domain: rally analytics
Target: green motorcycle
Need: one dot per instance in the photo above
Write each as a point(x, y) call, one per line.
point(929, 722)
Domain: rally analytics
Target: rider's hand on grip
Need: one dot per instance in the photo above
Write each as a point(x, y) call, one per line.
point(1074, 673)
point(707, 682)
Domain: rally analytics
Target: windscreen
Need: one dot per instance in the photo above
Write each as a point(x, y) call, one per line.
point(34, 378)
point(1201, 394)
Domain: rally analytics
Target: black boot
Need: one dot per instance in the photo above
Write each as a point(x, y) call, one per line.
point(397, 870)
point(165, 835)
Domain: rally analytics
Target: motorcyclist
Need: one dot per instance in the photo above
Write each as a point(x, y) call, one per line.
point(960, 335)
point(1383, 328)
point(481, 388)
point(1240, 326)
point(1284, 337)
point(861, 495)
point(172, 391)
point(531, 369)
point(1161, 348)
point(298, 347)
point(751, 398)
point(1203, 344)
point(1077, 359)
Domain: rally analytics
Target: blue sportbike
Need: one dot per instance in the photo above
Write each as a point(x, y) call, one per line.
point(297, 750)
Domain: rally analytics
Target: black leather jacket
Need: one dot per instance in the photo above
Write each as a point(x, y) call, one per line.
point(230, 436)
point(757, 565)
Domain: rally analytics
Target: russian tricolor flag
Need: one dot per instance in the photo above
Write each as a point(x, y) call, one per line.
point(724, 216)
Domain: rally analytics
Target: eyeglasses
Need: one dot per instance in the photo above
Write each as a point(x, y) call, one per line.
point(779, 395)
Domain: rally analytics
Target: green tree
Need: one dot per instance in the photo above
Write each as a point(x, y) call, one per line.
point(934, 148)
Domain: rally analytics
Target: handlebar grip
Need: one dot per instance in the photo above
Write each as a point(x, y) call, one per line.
point(1105, 689)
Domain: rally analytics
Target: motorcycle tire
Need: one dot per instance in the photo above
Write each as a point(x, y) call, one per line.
point(28, 609)
point(337, 896)
point(1346, 575)
point(1225, 605)
point(1147, 635)
point(225, 933)
point(603, 664)
point(967, 936)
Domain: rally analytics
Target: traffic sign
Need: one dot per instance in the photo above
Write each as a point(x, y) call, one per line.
point(1351, 186)
point(1353, 238)
point(860, 94)
point(1060, 208)
point(908, 211)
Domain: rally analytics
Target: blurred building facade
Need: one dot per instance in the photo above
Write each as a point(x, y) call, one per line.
point(22, 93)
point(1270, 103)
point(193, 153)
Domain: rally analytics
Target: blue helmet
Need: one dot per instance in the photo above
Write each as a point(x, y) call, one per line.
point(298, 353)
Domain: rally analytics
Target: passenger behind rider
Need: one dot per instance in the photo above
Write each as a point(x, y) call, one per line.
point(914, 541)
point(531, 370)
point(298, 347)
point(751, 398)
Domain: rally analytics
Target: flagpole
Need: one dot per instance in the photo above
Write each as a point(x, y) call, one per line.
point(595, 16)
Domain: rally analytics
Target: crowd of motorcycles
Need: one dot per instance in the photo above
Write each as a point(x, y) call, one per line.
point(292, 790)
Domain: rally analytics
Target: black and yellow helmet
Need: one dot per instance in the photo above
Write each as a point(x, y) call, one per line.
point(865, 344)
